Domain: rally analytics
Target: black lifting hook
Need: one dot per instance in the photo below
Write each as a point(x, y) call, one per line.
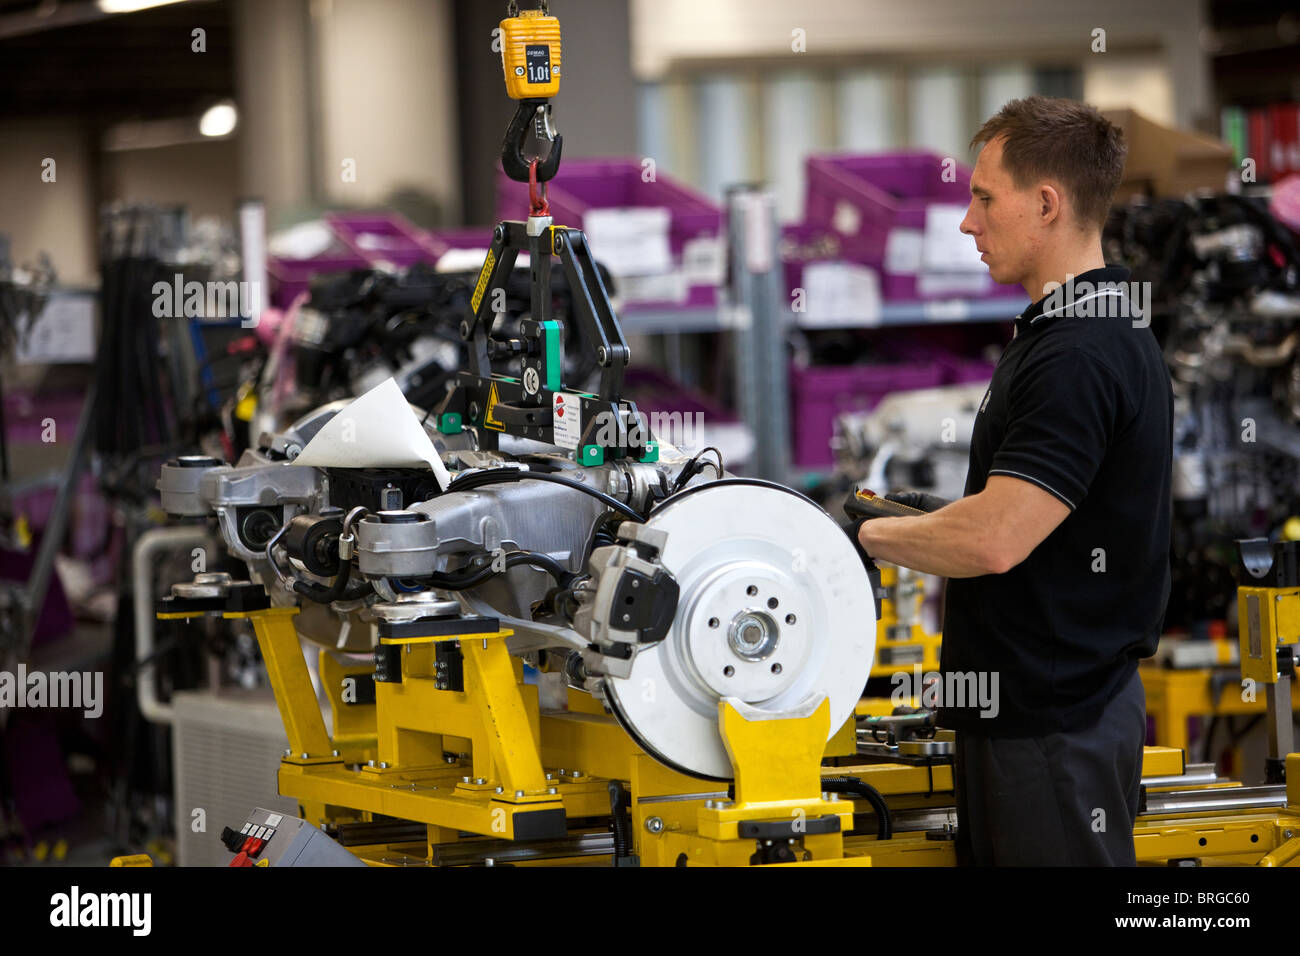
point(513, 160)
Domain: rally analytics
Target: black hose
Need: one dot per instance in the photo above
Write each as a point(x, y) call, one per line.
point(859, 787)
point(497, 476)
point(326, 595)
point(462, 581)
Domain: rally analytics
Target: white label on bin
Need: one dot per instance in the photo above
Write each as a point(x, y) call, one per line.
point(946, 248)
point(903, 251)
point(630, 242)
point(566, 419)
point(669, 287)
point(273, 819)
point(840, 293)
point(704, 260)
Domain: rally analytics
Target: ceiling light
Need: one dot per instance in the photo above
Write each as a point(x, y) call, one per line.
point(219, 120)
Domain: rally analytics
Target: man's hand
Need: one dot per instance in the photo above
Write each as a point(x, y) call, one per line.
point(863, 504)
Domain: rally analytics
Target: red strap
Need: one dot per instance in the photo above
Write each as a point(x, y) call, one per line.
point(537, 204)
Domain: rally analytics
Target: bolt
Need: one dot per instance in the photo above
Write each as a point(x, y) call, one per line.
point(480, 781)
point(464, 330)
point(710, 804)
point(464, 779)
point(383, 765)
point(449, 759)
point(562, 772)
point(602, 355)
point(654, 824)
point(488, 861)
point(559, 241)
point(334, 753)
point(577, 774)
point(500, 789)
point(826, 796)
point(1288, 833)
point(518, 793)
point(370, 763)
point(552, 790)
point(304, 755)
point(550, 776)
point(498, 233)
point(287, 751)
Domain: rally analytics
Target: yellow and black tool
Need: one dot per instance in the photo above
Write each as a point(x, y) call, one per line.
point(865, 503)
point(530, 59)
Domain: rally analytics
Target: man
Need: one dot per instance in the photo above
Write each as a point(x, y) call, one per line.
point(1058, 554)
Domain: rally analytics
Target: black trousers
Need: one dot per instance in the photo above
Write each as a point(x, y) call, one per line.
point(1063, 799)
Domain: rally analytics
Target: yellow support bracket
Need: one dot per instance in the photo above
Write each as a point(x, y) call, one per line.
point(776, 759)
point(294, 694)
point(514, 749)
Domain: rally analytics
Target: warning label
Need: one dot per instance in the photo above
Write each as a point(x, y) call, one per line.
point(490, 419)
point(566, 419)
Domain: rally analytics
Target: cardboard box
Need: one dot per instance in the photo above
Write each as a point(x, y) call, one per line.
point(1168, 162)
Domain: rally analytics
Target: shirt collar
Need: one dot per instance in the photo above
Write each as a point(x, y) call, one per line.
point(1092, 277)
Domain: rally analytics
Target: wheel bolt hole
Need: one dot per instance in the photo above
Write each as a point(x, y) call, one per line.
point(728, 671)
point(751, 590)
point(789, 619)
point(776, 668)
point(772, 603)
point(713, 622)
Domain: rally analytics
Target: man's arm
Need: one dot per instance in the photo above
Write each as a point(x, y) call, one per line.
point(987, 533)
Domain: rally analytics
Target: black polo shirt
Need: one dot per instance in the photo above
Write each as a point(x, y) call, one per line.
point(1081, 406)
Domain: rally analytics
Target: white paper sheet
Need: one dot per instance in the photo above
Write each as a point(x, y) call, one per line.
point(378, 430)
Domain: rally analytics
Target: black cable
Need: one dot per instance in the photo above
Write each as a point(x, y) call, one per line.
point(462, 581)
point(322, 594)
point(498, 476)
point(859, 787)
point(620, 825)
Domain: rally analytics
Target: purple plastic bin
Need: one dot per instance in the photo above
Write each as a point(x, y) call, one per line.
point(383, 237)
point(818, 394)
point(867, 196)
point(473, 237)
point(289, 277)
point(886, 190)
point(586, 184)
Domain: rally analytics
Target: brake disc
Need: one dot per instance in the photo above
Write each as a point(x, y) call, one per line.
point(775, 608)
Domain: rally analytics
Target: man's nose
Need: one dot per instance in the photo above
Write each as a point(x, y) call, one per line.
point(968, 223)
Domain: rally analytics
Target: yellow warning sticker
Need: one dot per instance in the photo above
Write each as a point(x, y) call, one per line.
point(482, 284)
point(489, 418)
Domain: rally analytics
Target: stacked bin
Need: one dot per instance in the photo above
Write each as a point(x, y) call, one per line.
point(852, 204)
point(584, 185)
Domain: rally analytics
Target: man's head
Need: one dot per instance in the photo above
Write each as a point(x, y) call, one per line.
point(1042, 184)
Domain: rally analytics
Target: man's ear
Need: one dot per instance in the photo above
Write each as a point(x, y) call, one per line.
point(1049, 203)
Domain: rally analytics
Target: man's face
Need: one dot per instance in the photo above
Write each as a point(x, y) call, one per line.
point(1004, 219)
